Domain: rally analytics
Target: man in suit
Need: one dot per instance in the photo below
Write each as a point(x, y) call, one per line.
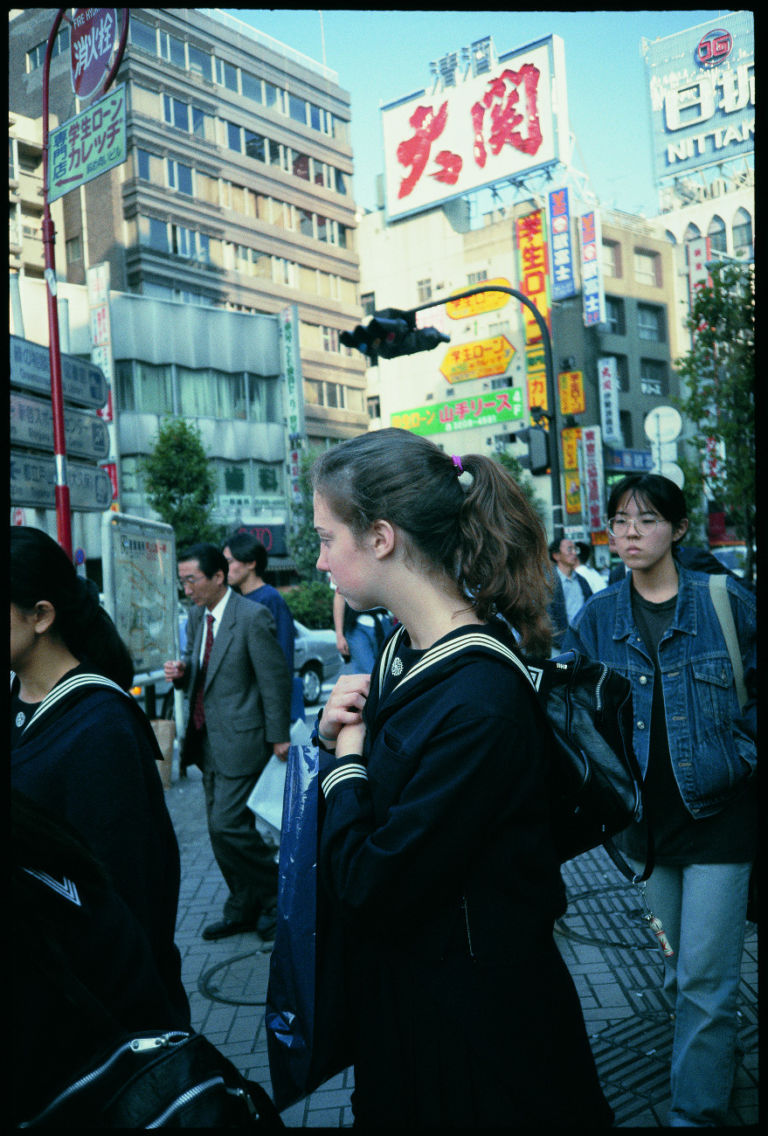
point(565, 556)
point(239, 714)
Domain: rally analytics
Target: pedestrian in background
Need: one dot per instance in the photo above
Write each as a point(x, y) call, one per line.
point(82, 747)
point(565, 556)
point(596, 580)
point(436, 846)
point(240, 695)
point(360, 635)
point(697, 751)
point(247, 560)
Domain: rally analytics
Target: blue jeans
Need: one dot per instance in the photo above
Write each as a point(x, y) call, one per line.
point(703, 910)
point(363, 648)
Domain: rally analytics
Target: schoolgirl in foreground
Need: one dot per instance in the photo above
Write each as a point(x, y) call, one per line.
point(697, 751)
point(436, 845)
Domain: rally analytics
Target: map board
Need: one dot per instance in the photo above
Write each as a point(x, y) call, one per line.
point(141, 588)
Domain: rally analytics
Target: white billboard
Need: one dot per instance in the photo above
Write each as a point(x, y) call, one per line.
point(469, 133)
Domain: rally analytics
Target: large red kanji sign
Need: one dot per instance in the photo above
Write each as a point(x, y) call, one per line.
point(94, 41)
point(475, 132)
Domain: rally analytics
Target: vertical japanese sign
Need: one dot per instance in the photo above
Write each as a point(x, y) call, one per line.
point(591, 270)
point(97, 279)
point(87, 145)
point(531, 239)
point(608, 385)
point(293, 387)
point(572, 397)
point(94, 41)
point(563, 276)
point(699, 253)
point(478, 125)
point(593, 487)
point(570, 437)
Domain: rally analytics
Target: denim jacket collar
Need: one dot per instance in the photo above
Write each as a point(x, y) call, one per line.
point(685, 610)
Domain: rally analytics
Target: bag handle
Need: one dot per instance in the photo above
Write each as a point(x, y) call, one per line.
point(718, 591)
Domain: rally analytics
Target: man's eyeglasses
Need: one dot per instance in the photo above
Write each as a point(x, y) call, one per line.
point(190, 579)
point(619, 526)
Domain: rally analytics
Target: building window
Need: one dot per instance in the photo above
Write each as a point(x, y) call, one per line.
point(36, 57)
point(172, 49)
point(612, 259)
point(614, 316)
point(200, 62)
point(374, 407)
point(718, 241)
point(650, 323)
point(368, 303)
point(654, 377)
point(423, 290)
point(647, 268)
point(477, 277)
point(251, 87)
point(180, 177)
point(143, 387)
point(74, 248)
point(142, 36)
point(742, 235)
point(297, 109)
point(225, 74)
point(625, 427)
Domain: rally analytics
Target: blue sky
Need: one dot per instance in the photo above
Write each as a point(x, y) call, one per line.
point(381, 55)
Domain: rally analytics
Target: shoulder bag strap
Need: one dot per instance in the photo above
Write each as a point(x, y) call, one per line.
point(718, 591)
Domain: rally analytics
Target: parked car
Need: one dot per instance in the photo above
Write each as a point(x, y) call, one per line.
point(316, 660)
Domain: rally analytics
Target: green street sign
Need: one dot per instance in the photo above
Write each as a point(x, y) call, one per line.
point(87, 145)
point(489, 409)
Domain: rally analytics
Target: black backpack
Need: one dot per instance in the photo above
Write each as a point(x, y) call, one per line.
point(596, 783)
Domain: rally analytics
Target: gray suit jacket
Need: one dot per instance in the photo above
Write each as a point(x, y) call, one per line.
point(247, 693)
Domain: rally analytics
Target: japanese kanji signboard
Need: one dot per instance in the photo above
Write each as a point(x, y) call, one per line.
point(87, 145)
point(477, 360)
point(94, 42)
point(572, 397)
point(487, 301)
point(474, 129)
point(490, 409)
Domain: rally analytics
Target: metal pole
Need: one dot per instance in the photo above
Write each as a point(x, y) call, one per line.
point(63, 510)
point(557, 496)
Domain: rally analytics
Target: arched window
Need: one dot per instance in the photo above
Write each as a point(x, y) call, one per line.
point(742, 235)
point(718, 240)
point(692, 233)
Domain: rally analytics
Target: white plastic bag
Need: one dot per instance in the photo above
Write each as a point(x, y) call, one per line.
point(266, 801)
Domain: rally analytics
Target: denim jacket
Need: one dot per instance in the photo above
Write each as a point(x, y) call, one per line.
point(711, 743)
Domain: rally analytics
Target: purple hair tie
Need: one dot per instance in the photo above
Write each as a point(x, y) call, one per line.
point(457, 462)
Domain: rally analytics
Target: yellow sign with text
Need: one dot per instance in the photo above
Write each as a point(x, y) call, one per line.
point(572, 397)
point(477, 360)
point(481, 302)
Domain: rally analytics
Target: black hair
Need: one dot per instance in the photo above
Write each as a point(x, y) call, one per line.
point(479, 531)
point(247, 549)
point(210, 558)
point(666, 497)
point(41, 570)
point(554, 546)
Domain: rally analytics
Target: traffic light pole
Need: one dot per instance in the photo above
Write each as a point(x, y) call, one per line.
point(554, 455)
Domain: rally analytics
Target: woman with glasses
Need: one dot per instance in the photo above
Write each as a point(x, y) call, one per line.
point(697, 750)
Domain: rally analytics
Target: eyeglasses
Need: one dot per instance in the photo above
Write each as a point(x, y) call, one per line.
point(190, 579)
point(619, 526)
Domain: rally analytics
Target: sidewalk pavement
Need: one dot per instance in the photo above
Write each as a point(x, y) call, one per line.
point(613, 957)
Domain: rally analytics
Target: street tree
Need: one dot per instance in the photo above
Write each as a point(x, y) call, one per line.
point(180, 482)
point(719, 397)
point(302, 538)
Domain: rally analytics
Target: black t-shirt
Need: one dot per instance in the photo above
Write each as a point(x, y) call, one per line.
point(730, 836)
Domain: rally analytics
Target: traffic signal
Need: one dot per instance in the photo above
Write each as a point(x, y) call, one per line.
point(537, 458)
point(390, 333)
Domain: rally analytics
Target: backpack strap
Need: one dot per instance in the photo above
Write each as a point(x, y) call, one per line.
point(718, 592)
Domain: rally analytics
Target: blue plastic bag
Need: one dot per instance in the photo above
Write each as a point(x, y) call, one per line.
point(305, 1015)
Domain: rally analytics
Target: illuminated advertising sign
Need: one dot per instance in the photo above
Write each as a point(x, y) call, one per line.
point(593, 481)
point(702, 95)
point(561, 246)
point(486, 301)
point(572, 397)
point(478, 125)
point(593, 294)
point(462, 413)
point(699, 253)
point(531, 241)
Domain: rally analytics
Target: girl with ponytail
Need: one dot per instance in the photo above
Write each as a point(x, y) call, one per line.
point(436, 848)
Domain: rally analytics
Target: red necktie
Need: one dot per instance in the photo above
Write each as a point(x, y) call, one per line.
point(198, 713)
